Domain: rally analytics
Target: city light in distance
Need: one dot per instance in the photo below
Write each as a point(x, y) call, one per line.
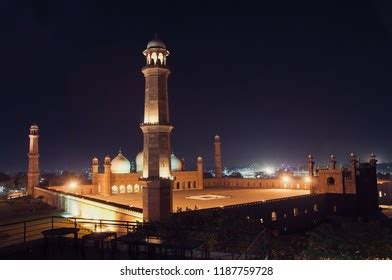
point(269, 170)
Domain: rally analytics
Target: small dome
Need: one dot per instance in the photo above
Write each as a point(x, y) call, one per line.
point(176, 164)
point(120, 164)
point(156, 43)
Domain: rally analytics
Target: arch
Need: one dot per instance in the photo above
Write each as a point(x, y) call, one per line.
point(189, 184)
point(129, 189)
point(330, 181)
point(194, 184)
point(122, 189)
point(136, 188)
point(160, 58)
point(274, 216)
point(114, 189)
point(148, 59)
point(178, 185)
point(295, 212)
point(154, 57)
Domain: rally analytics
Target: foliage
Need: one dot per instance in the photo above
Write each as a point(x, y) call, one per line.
point(346, 240)
point(18, 181)
point(4, 177)
point(220, 231)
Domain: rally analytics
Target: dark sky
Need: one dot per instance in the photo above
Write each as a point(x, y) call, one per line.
point(277, 80)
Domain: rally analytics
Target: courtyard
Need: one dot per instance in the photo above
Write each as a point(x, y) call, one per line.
point(209, 197)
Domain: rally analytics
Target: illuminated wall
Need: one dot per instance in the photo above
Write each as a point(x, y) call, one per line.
point(84, 207)
point(300, 183)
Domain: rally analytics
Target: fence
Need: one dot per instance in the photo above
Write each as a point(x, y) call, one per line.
point(29, 230)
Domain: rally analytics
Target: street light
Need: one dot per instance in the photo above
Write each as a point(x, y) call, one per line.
point(308, 179)
point(286, 179)
point(73, 184)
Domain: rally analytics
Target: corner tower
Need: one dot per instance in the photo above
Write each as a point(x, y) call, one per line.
point(33, 155)
point(157, 193)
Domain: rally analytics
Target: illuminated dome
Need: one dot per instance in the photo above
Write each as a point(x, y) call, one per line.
point(156, 43)
point(120, 164)
point(176, 163)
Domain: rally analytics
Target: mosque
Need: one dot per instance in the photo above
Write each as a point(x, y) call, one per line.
point(161, 178)
point(118, 178)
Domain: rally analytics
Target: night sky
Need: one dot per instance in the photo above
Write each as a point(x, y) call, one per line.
point(277, 80)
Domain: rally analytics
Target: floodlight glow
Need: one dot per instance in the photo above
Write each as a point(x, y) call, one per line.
point(285, 179)
point(73, 184)
point(308, 179)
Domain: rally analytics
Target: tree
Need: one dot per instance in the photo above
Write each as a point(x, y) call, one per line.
point(21, 180)
point(4, 177)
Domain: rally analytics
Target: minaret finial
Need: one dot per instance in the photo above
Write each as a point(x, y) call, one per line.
point(119, 150)
point(156, 34)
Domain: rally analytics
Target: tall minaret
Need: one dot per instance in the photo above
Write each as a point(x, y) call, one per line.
point(311, 165)
point(218, 158)
point(157, 191)
point(33, 168)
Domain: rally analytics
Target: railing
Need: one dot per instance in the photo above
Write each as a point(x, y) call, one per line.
point(29, 230)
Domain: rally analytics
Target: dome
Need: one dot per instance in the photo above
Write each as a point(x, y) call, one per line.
point(120, 164)
point(176, 163)
point(156, 43)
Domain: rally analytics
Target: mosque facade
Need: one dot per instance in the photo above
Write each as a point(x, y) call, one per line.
point(117, 177)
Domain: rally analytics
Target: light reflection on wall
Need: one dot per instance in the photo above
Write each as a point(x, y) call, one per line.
point(84, 209)
point(87, 211)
